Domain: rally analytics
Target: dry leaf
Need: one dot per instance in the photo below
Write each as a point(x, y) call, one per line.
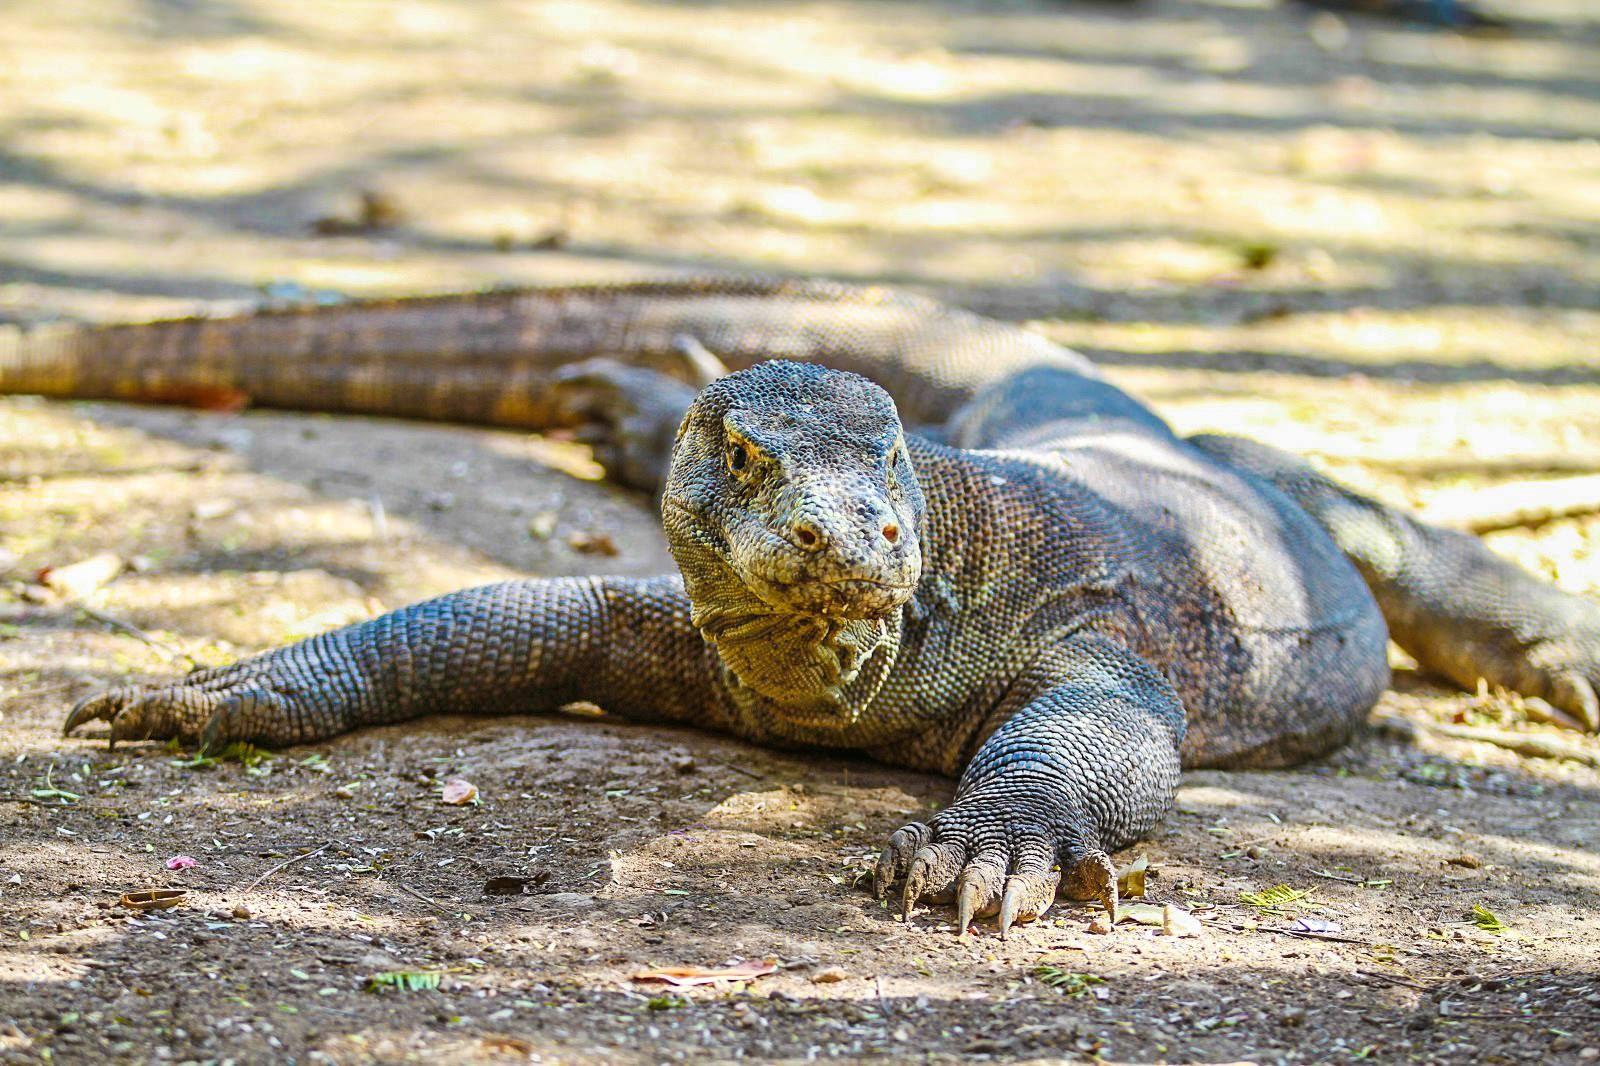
point(458, 792)
point(1143, 913)
point(684, 976)
point(1175, 921)
point(153, 899)
point(593, 543)
point(78, 579)
point(1130, 879)
point(508, 1045)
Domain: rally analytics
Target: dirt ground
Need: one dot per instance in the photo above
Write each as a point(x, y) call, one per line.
point(1372, 243)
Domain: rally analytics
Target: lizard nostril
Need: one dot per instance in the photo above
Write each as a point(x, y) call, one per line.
point(891, 532)
point(807, 536)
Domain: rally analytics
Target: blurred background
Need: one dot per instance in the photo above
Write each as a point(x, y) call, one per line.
point(1374, 238)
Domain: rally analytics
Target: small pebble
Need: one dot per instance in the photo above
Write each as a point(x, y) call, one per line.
point(829, 976)
point(1101, 925)
point(242, 912)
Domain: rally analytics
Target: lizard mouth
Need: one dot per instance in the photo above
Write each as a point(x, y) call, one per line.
point(838, 597)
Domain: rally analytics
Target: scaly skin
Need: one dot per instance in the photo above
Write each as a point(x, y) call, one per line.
point(1063, 604)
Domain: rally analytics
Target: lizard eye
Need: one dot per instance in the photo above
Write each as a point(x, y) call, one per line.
point(738, 457)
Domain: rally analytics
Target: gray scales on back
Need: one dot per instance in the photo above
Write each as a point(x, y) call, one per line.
point(1045, 592)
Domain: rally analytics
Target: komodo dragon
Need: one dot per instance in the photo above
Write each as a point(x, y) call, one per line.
point(1049, 593)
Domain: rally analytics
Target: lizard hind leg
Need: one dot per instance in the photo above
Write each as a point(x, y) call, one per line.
point(1464, 612)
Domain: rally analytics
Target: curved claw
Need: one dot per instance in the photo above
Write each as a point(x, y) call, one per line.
point(102, 706)
point(704, 367)
point(971, 898)
point(978, 890)
point(916, 878)
point(1027, 897)
point(1575, 694)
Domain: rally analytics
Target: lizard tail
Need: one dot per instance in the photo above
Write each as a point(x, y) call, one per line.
point(488, 358)
point(460, 359)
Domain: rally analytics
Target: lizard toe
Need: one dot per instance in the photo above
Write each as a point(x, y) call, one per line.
point(244, 716)
point(895, 861)
point(1031, 888)
point(100, 707)
point(1091, 875)
point(161, 714)
point(1027, 896)
point(1576, 694)
point(979, 888)
point(932, 876)
point(628, 415)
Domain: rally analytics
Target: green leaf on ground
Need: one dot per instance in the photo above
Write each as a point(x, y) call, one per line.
point(1487, 920)
point(404, 981)
point(1275, 899)
point(1069, 982)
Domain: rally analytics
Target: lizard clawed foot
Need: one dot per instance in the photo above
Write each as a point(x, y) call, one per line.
point(1561, 669)
point(989, 861)
point(213, 707)
point(140, 712)
point(627, 414)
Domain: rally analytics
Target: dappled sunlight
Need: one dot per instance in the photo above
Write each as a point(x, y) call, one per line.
point(853, 140)
point(1371, 243)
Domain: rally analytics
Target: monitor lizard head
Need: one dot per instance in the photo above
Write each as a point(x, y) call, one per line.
point(794, 514)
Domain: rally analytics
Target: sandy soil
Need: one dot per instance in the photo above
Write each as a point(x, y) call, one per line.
point(1376, 245)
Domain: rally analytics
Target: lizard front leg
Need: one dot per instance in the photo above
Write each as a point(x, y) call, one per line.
point(1083, 761)
point(518, 646)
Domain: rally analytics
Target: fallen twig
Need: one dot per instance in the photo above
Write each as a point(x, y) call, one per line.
point(741, 770)
point(1395, 979)
point(430, 902)
point(135, 632)
point(1298, 933)
point(285, 864)
point(1537, 745)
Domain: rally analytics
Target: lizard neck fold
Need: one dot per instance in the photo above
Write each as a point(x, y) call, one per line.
point(820, 673)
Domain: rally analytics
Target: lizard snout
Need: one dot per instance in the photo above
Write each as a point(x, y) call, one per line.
point(842, 555)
